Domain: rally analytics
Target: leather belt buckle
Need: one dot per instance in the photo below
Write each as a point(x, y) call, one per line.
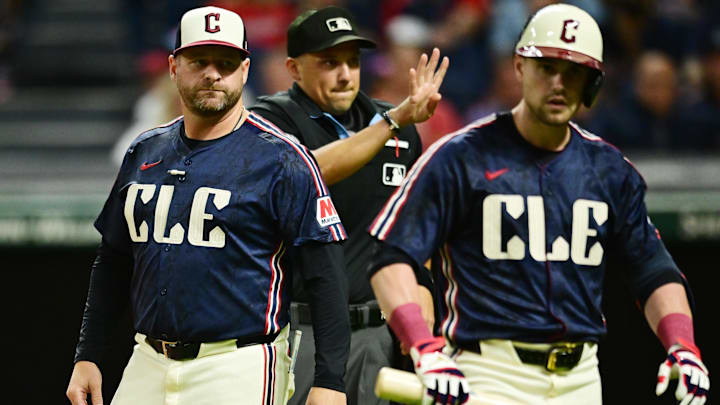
point(174, 350)
point(570, 352)
point(165, 346)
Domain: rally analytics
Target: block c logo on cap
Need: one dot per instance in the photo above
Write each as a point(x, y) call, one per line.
point(338, 24)
point(212, 16)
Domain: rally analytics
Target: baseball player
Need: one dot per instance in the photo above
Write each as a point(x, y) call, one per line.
point(521, 210)
point(205, 219)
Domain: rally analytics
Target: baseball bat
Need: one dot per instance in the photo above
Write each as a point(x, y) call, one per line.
point(406, 388)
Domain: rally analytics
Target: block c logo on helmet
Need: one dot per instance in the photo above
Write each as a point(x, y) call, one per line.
point(571, 24)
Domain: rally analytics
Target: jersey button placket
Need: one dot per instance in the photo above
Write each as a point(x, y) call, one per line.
point(546, 189)
point(181, 174)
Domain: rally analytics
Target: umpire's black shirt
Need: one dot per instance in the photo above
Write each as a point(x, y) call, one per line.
point(359, 197)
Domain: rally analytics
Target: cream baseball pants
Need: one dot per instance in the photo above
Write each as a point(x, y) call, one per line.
point(221, 374)
point(498, 373)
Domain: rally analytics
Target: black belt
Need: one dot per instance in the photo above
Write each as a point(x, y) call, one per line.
point(190, 350)
point(561, 357)
point(361, 315)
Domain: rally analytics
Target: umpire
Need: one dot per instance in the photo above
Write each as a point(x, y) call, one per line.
point(364, 148)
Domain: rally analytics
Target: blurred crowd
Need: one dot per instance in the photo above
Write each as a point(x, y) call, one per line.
point(9, 17)
point(662, 61)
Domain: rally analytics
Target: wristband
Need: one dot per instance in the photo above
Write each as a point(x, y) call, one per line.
point(676, 328)
point(393, 125)
point(408, 324)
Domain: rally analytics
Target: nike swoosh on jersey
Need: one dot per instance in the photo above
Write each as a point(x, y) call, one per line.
point(146, 166)
point(495, 174)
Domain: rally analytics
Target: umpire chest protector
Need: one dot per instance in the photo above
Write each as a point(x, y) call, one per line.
point(359, 197)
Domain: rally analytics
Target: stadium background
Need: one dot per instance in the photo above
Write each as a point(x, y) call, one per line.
point(78, 78)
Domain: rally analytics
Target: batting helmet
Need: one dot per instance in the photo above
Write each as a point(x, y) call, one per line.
point(567, 32)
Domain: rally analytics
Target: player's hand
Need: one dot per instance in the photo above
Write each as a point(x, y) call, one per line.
point(86, 379)
point(424, 97)
point(439, 374)
point(693, 377)
point(325, 396)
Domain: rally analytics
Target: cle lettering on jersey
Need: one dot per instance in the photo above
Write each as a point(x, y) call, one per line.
point(198, 216)
point(561, 250)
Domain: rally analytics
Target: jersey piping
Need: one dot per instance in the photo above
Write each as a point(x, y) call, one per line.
point(385, 220)
point(277, 278)
point(337, 230)
point(450, 322)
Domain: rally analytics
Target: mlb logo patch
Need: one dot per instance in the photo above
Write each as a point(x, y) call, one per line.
point(393, 174)
point(326, 214)
point(338, 24)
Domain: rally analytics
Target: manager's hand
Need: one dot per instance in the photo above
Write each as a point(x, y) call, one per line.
point(86, 379)
point(325, 396)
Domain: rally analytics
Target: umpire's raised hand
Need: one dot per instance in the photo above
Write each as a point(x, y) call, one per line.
point(425, 81)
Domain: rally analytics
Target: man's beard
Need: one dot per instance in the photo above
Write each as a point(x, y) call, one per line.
point(209, 107)
point(547, 118)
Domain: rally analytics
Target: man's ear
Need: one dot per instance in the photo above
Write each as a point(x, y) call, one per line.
point(246, 70)
point(291, 64)
point(518, 66)
point(172, 66)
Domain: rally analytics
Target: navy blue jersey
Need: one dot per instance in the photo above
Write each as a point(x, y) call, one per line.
point(208, 229)
point(520, 236)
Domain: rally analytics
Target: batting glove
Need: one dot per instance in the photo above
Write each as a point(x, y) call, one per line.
point(439, 374)
point(693, 382)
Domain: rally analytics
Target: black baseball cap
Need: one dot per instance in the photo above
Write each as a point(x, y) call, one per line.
point(315, 30)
